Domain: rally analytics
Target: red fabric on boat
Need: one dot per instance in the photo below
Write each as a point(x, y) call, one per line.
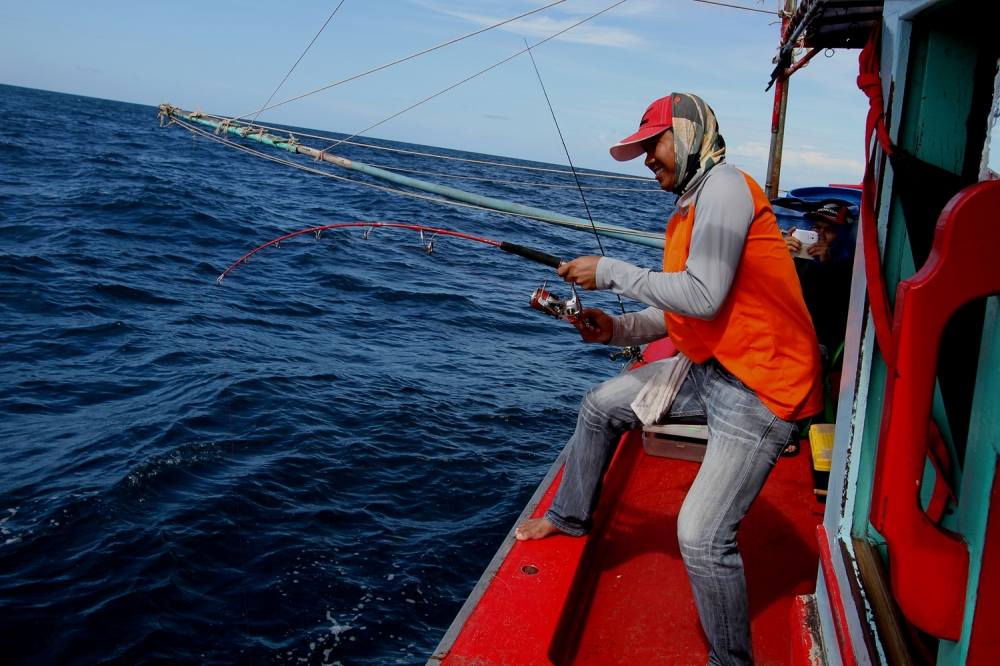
point(870, 82)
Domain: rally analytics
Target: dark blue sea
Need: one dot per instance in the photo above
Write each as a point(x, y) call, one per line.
point(309, 463)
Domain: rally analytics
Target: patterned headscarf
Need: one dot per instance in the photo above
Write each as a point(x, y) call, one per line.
point(698, 146)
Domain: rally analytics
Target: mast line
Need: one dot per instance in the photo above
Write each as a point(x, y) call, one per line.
point(303, 55)
point(403, 59)
point(477, 74)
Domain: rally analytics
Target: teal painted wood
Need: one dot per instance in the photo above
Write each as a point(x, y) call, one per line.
point(646, 238)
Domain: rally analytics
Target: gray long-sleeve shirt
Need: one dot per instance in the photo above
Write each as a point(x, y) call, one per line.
point(723, 213)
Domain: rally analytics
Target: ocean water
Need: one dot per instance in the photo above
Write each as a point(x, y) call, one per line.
point(310, 463)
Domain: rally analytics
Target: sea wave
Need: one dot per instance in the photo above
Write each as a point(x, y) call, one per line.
point(343, 430)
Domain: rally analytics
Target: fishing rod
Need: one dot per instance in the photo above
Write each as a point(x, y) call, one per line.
point(541, 299)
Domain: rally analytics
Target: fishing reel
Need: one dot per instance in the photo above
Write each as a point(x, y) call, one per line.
point(570, 310)
point(546, 302)
point(627, 355)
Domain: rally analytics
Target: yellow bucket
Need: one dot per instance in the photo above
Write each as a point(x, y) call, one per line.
point(821, 444)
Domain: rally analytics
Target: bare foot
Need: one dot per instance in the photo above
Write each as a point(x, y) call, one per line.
point(535, 528)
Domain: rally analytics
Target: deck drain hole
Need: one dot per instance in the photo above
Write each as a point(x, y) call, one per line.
point(529, 569)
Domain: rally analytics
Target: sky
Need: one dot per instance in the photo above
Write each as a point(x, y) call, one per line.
point(226, 57)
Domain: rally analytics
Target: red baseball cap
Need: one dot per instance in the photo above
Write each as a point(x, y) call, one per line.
point(658, 118)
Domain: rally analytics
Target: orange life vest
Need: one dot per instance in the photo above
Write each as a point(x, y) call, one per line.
point(762, 334)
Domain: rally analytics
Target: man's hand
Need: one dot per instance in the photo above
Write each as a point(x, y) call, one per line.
point(595, 325)
point(581, 271)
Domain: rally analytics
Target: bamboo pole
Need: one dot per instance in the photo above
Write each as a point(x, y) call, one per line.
point(778, 117)
point(646, 238)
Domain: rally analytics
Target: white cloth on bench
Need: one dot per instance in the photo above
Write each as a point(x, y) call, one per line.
point(656, 396)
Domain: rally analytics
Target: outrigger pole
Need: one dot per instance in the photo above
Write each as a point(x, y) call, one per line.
point(291, 144)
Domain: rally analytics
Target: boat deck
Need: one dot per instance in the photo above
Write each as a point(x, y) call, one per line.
point(641, 609)
point(621, 595)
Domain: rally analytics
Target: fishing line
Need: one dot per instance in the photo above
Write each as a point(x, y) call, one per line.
point(403, 59)
point(569, 159)
point(513, 248)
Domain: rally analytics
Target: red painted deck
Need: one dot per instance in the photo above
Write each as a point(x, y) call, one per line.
point(642, 606)
point(621, 595)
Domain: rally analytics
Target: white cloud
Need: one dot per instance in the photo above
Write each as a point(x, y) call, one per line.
point(545, 26)
point(799, 167)
point(820, 160)
point(814, 159)
point(750, 150)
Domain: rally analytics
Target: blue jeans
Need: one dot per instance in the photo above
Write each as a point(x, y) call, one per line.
point(744, 441)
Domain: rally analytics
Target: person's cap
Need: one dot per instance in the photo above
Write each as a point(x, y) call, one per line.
point(659, 117)
point(831, 212)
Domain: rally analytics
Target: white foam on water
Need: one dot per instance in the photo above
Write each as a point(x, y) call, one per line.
point(4, 530)
point(335, 627)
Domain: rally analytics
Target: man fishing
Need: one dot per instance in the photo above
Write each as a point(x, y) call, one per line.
point(729, 299)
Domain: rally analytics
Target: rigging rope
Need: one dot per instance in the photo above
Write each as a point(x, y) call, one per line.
point(526, 49)
point(403, 151)
point(743, 7)
point(403, 59)
point(289, 73)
